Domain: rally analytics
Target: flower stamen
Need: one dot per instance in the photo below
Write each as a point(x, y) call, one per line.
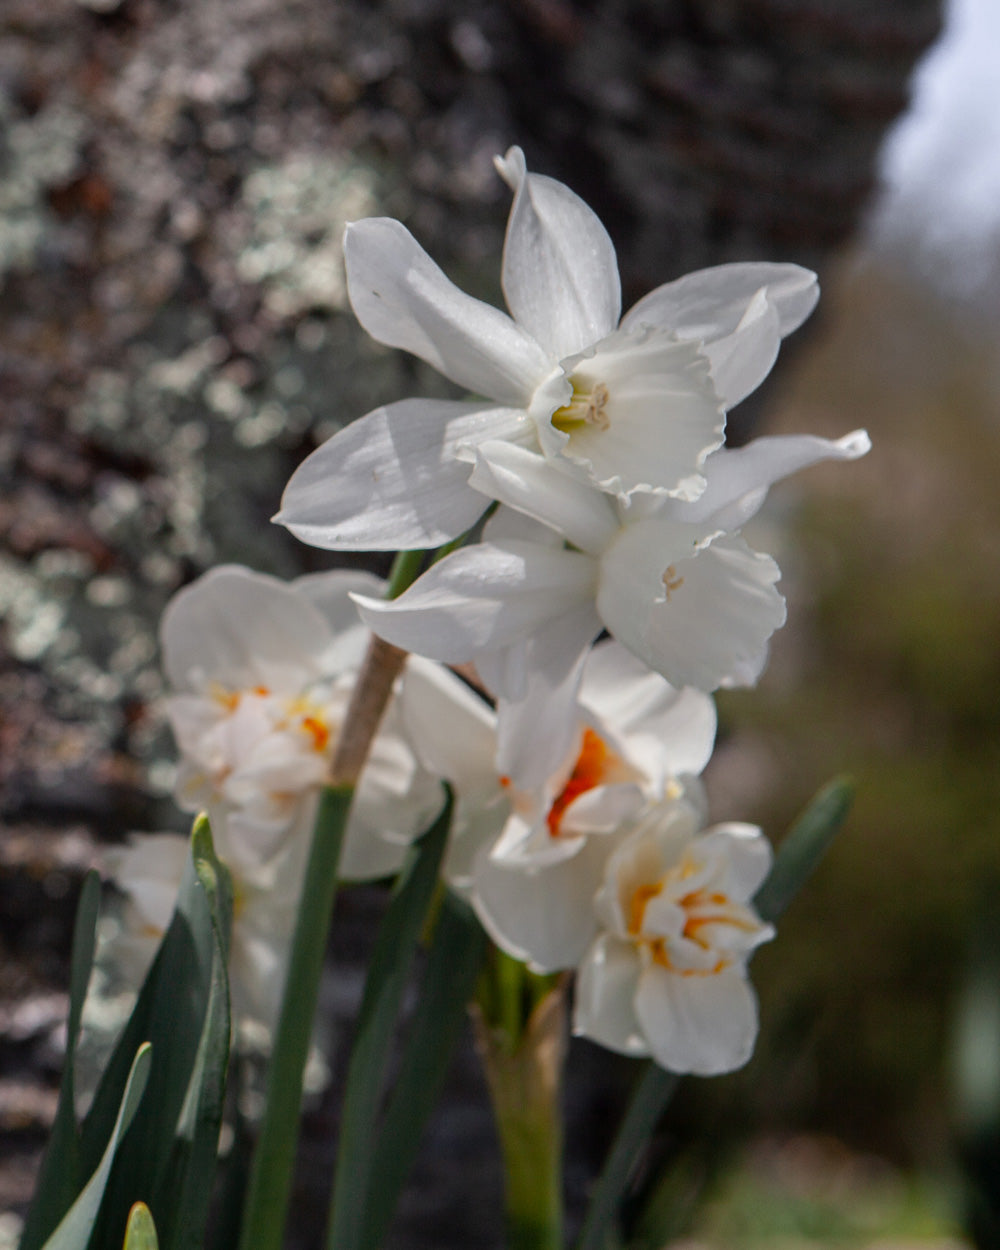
point(587, 407)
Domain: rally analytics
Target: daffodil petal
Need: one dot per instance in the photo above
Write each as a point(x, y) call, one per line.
point(744, 855)
point(543, 914)
point(241, 629)
point(739, 478)
point(560, 274)
point(453, 731)
point(404, 300)
point(533, 485)
point(659, 414)
point(710, 303)
point(742, 360)
point(602, 809)
point(669, 730)
point(604, 1008)
point(702, 1024)
point(391, 480)
point(482, 598)
point(701, 616)
point(535, 732)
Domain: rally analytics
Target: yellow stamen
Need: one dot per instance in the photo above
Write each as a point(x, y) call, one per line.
point(587, 407)
point(638, 903)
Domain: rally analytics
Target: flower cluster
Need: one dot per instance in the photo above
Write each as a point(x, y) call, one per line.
point(261, 672)
point(597, 457)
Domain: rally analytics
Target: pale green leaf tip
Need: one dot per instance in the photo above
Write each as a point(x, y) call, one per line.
point(201, 837)
point(140, 1232)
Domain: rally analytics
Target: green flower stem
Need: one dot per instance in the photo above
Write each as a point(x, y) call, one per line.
point(652, 1093)
point(524, 1064)
point(271, 1175)
point(406, 568)
point(274, 1159)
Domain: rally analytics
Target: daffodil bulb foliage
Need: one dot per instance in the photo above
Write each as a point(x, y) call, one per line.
point(148, 871)
point(262, 671)
point(666, 976)
point(634, 404)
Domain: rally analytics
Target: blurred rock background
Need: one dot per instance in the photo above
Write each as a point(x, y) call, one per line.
point(174, 338)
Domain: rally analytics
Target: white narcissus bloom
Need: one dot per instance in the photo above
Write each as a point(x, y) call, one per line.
point(667, 976)
point(670, 580)
point(633, 406)
point(531, 856)
point(148, 871)
point(263, 671)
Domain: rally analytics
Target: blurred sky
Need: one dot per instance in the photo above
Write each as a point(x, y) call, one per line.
point(941, 164)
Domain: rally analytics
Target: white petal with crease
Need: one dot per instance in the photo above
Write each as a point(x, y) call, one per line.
point(710, 303)
point(404, 300)
point(705, 1025)
point(241, 629)
point(391, 481)
point(708, 619)
point(739, 478)
point(605, 992)
point(482, 598)
point(560, 274)
point(532, 485)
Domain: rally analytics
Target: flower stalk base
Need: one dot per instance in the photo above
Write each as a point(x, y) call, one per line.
point(524, 1075)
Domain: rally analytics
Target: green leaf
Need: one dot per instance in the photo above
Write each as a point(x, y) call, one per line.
point(796, 860)
point(75, 1228)
point(267, 1196)
point(649, 1100)
point(187, 1185)
point(804, 846)
point(182, 1010)
point(453, 963)
point(60, 1178)
point(392, 958)
point(140, 1232)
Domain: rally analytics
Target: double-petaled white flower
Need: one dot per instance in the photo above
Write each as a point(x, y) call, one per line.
point(632, 406)
point(673, 581)
point(262, 671)
point(667, 976)
point(531, 854)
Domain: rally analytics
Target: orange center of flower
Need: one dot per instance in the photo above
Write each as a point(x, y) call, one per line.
point(318, 730)
point(230, 699)
point(589, 771)
point(703, 907)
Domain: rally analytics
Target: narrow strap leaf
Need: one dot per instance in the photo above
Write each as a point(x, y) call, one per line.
point(75, 1228)
point(60, 1180)
point(804, 846)
point(653, 1092)
point(455, 958)
point(271, 1174)
point(796, 860)
point(387, 978)
point(186, 1186)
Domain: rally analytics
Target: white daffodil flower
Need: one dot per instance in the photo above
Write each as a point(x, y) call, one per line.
point(531, 859)
point(148, 871)
point(263, 672)
point(667, 976)
point(669, 580)
point(635, 406)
